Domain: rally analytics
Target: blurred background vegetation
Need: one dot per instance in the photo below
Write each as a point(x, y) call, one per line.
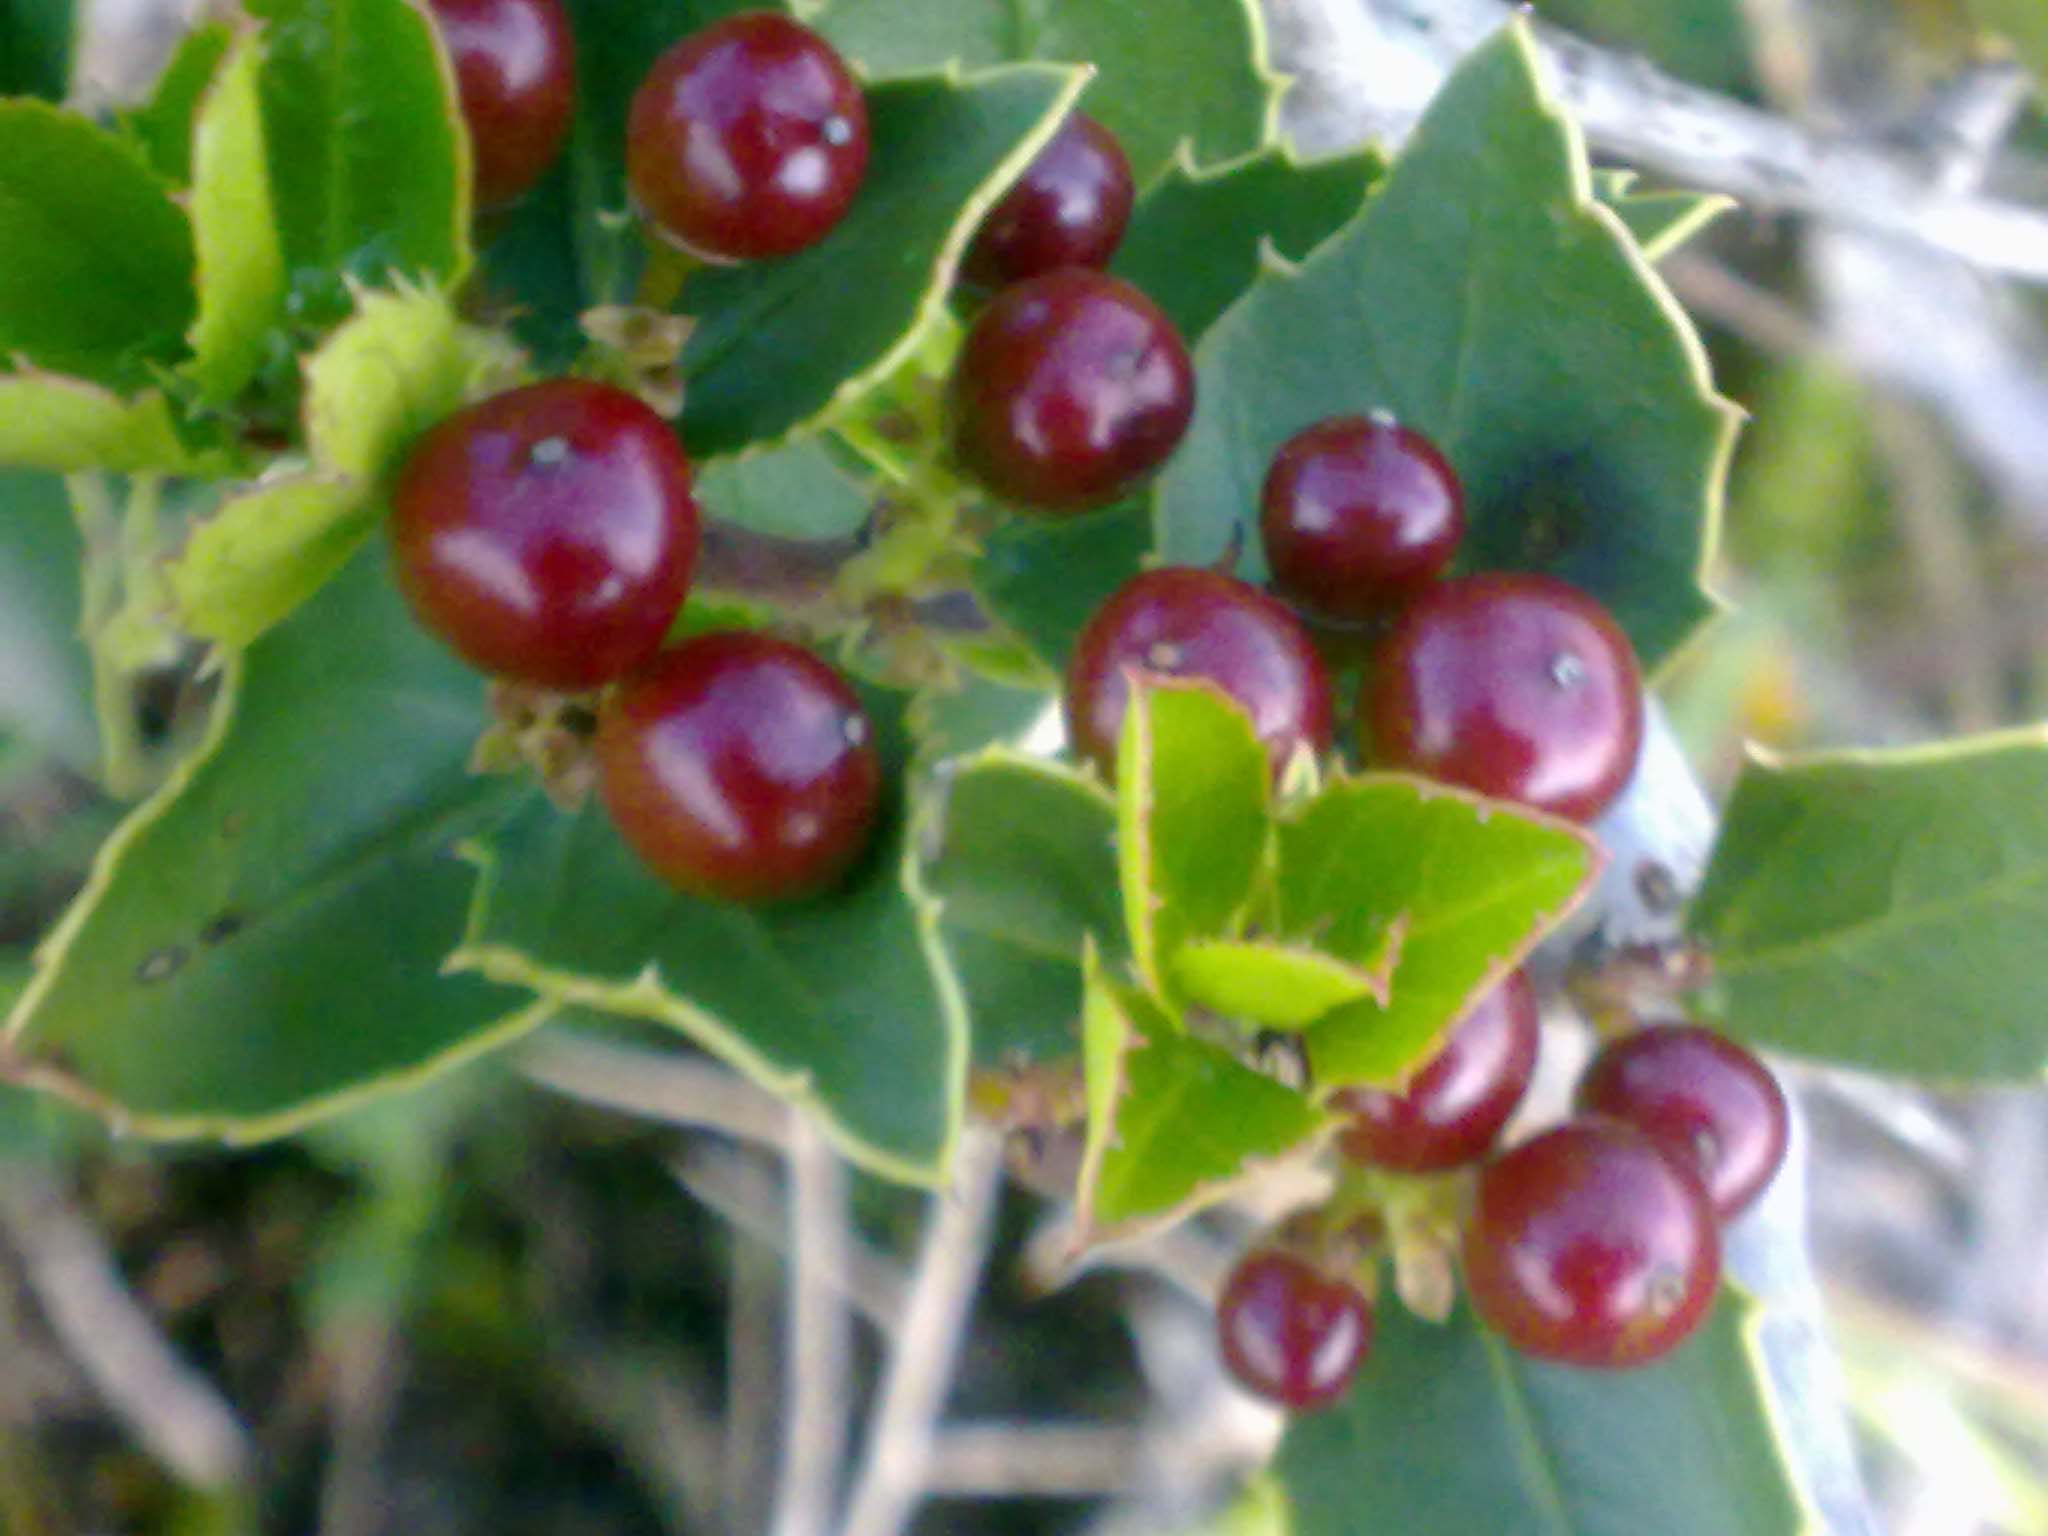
point(492, 1306)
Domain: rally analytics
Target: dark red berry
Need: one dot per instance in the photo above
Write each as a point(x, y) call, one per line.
point(1069, 390)
point(1511, 684)
point(1179, 621)
point(739, 766)
point(1590, 1245)
point(1451, 1113)
point(1068, 209)
point(748, 139)
point(1706, 1098)
point(547, 534)
point(1358, 512)
point(515, 73)
point(1289, 1333)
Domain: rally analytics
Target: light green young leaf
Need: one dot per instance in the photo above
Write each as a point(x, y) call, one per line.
point(1259, 981)
point(265, 551)
point(241, 271)
point(66, 425)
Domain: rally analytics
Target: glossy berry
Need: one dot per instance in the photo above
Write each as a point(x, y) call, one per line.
point(1358, 512)
point(1702, 1095)
point(547, 534)
point(1068, 209)
point(515, 74)
point(1514, 685)
point(1069, 390)
point(1289, 1333)
point(739, 766)
point(1451, 1113)
point(1590, 1245)
point(1179, 621)
point(748, 139)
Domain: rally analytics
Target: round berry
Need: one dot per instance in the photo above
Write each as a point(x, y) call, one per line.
point(748, 139)
point(1289, 1333)
point(1068, 209)
point(1511, 684)
point(1069, 390)
point(1704, 1097)
point(1179, 621)
point(1451, 1113)
point(739, 766)
point(1591, 1246)
point(515, 75)
point(547, 534)
point(1358, 512)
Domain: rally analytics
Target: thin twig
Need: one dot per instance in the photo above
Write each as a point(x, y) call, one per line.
point(751, 1377)
point(174, 1412)
point(657, 1085)
point(894, 1467)
point(1037, 1461)
point(815, 1362)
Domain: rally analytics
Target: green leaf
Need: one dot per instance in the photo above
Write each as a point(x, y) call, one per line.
point(1448, 1429)
point(1174, 1123)
point(394, 369)
point(262, 940)
point(1456, 889)
point(797, 491)
point(1659, 222)
point(367, 163)
point(51, 422)
point(46, 686)
point(777, 343)
point(1045, 579)
point(1191, 818)
point(162, 125)
point(1193, 71)
point(97, 280)
point(844, 1003)
point(1022, 865)
point(1884, 910)
point(1232, 214)
point(1483, 299)
point(975, 713)
point(266, 551)
point(1286, 986)
point(36, 45)
point(241, 273)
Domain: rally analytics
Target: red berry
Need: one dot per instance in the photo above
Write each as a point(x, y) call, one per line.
point(1069, 390)
point(1357, 512)
point(547, 534)
point(739, 766)
point(1704, 1097)
point(1451, 1113)
point(1289, 1333)
point(1179, 621)
point(1591, 1246)
point(1514, 685)
point(515, 74)
point(748, 139)
point(1068, 209)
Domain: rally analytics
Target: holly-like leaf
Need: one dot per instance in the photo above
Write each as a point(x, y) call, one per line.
point(797, 491)
point(263, 938)
point(1448, 1429)
point(1884, 910)
point(1022, 863)
point(97, 278)
point(1232, 214)
point(1658, 221)
point(1482, 299)
point(1174, 1123)
point(162, 125)
point(1455, 889)
point(1191, 818)
point(777, 344)
point(241, 273)
point(845, 1003)
point(36, 44)
point(363, 136)
point(1045, 579)
point(51, 422)
point(264, 552)
point(46, 686)
point(1259, 981)
point(1192, 70)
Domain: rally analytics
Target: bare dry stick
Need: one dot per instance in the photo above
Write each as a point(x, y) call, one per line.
point(815, 1362)
point(656, 1085)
